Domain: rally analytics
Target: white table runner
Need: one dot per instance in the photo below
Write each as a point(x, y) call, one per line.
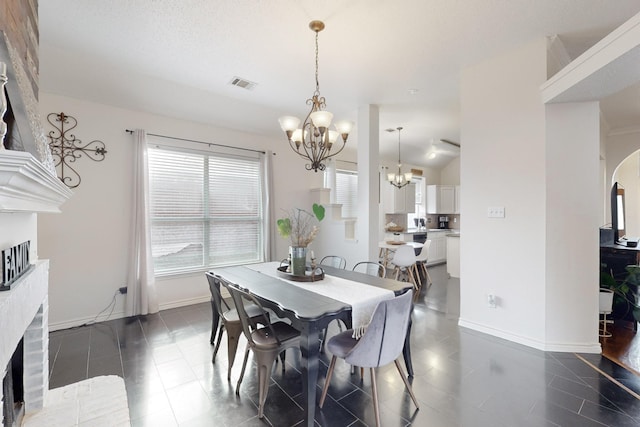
point(362, 298)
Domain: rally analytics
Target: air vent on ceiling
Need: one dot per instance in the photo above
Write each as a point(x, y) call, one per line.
point(243, 83)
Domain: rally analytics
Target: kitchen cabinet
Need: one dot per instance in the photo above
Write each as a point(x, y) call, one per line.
point(438, 247)
point(398, 200)
point(441, 199)
point(457, 200)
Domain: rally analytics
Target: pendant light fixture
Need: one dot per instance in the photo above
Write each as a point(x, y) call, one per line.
point(314, 141)
point(399, 179)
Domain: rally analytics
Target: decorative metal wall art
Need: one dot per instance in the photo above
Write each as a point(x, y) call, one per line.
point(66, 148)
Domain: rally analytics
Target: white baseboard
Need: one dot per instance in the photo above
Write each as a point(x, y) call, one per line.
point(184, 302)
point(79, 321)
point(530, 342)
point(71, 323)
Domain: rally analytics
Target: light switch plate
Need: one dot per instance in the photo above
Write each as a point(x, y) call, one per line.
point(495, 212)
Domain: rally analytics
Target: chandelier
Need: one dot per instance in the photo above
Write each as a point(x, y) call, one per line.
point(399, 179)
point(314, 141)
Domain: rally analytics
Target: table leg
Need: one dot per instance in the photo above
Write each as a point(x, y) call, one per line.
point(309, 347)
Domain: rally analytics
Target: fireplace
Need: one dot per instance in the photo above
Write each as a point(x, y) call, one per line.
point(28, 185)
point(13, 389)
point(24, 344)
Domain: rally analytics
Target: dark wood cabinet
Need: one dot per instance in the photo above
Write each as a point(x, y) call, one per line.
point(614, 260)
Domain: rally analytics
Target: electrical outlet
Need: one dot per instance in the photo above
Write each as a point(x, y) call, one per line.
point(495, 212)
point(492, 301)
point(122, 290)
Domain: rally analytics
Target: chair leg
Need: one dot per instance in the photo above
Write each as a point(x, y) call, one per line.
point(265, 361)
point(244, 366)
point(332, 365)
point(416, 275)
point(374, 390)
point(264, 373)
point(233, 336)
point(604, 333)
point(426, 274)
point(217, 347)
point(406, 383)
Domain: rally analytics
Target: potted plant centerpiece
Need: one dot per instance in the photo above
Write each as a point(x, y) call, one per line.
point(301, 227)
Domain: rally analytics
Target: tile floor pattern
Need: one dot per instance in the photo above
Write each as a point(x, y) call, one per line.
point(462, 378)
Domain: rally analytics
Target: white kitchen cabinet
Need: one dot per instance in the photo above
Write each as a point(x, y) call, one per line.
point(438, 247)
point(457, 200)
point(398, 200)
point(441, 199)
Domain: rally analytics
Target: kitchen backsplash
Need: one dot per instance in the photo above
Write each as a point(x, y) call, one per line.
point(432, 221)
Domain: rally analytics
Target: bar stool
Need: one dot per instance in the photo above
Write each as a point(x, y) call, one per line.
point(606, 307)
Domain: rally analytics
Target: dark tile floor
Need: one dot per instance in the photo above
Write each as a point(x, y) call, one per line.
point(462, 378)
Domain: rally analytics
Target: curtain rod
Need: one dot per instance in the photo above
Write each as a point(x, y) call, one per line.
point(200, 142)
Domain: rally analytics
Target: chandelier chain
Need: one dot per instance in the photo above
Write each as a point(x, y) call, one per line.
point(317, 81)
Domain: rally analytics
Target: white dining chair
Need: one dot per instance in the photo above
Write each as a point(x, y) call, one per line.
point(404, 260)
point(421, 260)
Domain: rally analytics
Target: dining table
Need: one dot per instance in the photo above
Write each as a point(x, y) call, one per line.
point(311, 306)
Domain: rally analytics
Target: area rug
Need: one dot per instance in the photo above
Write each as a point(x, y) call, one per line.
point(95, 402)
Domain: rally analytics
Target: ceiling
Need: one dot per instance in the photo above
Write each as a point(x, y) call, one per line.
point(177, 58)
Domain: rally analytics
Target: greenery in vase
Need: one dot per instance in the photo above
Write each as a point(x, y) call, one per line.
point(299, 224)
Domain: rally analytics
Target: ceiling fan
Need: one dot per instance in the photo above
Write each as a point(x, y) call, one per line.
point(443, 147)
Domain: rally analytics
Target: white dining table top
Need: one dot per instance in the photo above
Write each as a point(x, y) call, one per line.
point(385, 245)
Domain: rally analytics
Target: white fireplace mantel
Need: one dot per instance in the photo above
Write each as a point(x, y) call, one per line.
point(27, 186)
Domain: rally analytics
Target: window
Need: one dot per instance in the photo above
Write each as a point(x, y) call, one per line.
point(206, 210)
point(347, 192)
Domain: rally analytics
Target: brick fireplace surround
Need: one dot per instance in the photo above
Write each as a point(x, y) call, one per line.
point(23, 313)
point(27, 188)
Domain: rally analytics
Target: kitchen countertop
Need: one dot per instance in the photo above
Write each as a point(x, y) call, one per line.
point(429, 230)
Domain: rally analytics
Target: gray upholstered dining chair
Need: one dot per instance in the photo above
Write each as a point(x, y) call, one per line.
point(334, 261)
point(266, 342)
point(228, 321)
point(381, 343)
point(371, 268)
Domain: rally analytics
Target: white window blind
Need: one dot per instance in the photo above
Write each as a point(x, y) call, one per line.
point(206, 210)
point(347, 192)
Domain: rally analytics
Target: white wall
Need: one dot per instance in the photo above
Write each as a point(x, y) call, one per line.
point(572, 219)
point(627, 175)
point(87, 243)
point(623, 165)
point(450, 174)
point(541, 163)
point(16, 228)
point(502, 164)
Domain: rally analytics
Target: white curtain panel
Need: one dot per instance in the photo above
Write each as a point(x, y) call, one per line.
point(141, 289)
point(268, 208)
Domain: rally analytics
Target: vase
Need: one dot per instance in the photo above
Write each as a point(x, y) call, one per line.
point(298, 255)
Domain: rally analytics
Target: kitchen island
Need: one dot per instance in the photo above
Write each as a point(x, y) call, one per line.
point(453, 254)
